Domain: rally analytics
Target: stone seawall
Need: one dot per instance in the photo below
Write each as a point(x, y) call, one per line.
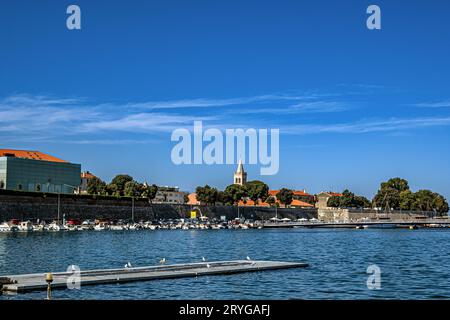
point(341, 214)
point(32, 206)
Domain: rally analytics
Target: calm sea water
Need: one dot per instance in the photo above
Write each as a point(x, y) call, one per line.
point(414, 263)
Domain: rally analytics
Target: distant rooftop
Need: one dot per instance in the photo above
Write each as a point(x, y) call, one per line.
point(295, 192)
point(87, 175)
point(28, 154)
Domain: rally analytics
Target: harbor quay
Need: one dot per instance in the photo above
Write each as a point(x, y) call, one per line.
point(33, 206)
point(36, 211)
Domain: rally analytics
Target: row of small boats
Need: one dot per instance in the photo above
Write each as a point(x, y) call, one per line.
point(28, 226)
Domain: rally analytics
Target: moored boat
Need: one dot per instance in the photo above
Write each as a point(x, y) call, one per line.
point(25, 226)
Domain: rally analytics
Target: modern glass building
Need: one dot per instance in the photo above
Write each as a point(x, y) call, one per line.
point(24, 170)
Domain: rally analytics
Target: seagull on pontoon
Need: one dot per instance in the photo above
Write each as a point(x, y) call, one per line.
point(127, 265)
point(248, 258)
point(162, 261)
point(208, 265)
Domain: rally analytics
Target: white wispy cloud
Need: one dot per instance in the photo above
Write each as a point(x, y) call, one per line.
point(392, 124)
point(438, 104)
point(143, 122)
point(23, 99)
point(318, 106)
point(206, 103)
point(41, 118)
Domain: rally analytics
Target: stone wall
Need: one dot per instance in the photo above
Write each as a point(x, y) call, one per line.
point(340, 214)
point(32, 206)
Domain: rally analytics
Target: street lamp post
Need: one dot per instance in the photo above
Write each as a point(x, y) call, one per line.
point(132, 209)
point(59, 199)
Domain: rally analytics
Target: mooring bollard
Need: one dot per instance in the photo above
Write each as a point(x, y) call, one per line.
point(49, 280)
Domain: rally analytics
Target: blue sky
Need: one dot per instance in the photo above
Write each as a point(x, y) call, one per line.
point(354, 106)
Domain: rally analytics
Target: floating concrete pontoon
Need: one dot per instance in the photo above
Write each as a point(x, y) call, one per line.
point(30, 282)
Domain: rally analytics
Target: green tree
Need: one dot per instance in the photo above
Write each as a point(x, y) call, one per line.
point(224, 198)
point(362, 202)
point(206, 194)
point(398, 184)
point(407, 200)
point(96, 186)
point(236, 192)
point(424, 200)
point(120, 181)
point(285, 196)
point(132, 189)
point(149, 191)
point(348, 200)
point(388, 195)
point(334, 202)
point(440, 204)
point(270, 200)
point(186, 198)
point(112, 190)
point(257, 190)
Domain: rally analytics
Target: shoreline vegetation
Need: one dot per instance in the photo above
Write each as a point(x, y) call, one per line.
point(394, 194)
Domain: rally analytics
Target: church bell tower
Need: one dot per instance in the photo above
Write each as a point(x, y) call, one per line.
point(240, 176)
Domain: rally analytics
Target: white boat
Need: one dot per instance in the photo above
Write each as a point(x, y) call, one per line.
point(26, 226)
point(116, 228)
point(55, 226)
point(87, 225)
point(100, 227)
point(4, 227)
point(71, 227)
point(133, 227)
point(38, 227)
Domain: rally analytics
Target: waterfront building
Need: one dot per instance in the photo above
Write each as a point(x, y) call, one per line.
point(85, 178)
point(323, 197)
point(240, 176)
point(169, 195)
point(294, 204)
point(301, 195)
point(25, 170)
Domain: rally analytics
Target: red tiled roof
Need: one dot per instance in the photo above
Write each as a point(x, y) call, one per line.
point(295, 203)
point(298, 203)
point(87, 175)
point(27, 154)
point(295, 192)
point(251, 203)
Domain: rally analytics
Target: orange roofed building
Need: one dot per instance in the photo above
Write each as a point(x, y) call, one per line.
point(295, 204)
point(85, 178)
point(302, 196)
point(31, 155)
point(26, 170)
